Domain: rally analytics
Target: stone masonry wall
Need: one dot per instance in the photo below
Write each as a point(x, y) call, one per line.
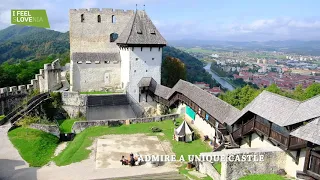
point(273, 160)
point(79, 126)
point(73, 103)
point(52, 129)
point(48, 79)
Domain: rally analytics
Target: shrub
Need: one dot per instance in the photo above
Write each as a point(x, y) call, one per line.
point(57, 100)
point(156, 129)
point(27, 120)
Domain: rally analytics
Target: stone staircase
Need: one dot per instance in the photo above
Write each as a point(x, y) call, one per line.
point(174, 175)
point(31, 105)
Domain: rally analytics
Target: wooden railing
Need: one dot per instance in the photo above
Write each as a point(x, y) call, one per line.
point(313, 167)
point(286, 141)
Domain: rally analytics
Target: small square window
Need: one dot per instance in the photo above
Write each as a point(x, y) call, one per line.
point(150, 48)
point(152, 59)
point(146, 70)
point(97, 62)
point(107, 62)
point(137, 59)
point(79, 62)
point(134, 71)
point(88, 62)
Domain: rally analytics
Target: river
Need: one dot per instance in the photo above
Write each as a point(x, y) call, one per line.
point(220, 80)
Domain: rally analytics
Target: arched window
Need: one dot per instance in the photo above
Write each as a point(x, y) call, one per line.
point(99, 18)
point(82, 17)
point(113, 19)
point(113, 37)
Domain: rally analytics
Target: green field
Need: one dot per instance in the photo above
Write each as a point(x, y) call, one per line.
point(77, 151)
point(262, 177)
point(66, 125)
point(35, 146)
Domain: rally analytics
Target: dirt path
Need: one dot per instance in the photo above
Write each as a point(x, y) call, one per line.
point(13, 167)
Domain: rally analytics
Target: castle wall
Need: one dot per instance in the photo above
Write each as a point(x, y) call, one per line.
point(74, 103)
point(95, 76)
point(144, 63)
point(125, 66)
point(92, 36)
point(290, 166)
point(48, 79)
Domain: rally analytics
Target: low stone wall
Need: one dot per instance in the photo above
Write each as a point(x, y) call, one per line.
point(79, 126)
point(52, 129)
point(207, 168)
point(273, 160)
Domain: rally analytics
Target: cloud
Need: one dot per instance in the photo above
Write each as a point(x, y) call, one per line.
point(261, 29)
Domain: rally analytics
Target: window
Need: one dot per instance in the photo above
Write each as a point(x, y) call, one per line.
point(82, 17)
point(88, 62)
point(113, 37)
point(141, 48)
point(145, 61)
point(146, 70)
point(132, 48)
point(150, 48)
point(79, 62)
point(97, 62)
point(159, 48)
point(113, 19)
point(152, 31)
point(99, 19)
point(107, 62)
point(134, 71)
point(152, 59)
point(137, 59)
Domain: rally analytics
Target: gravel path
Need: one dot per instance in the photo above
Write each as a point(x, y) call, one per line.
point(13, 167)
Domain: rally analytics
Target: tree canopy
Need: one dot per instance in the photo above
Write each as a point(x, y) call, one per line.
point(173, 69)
point(241, 97)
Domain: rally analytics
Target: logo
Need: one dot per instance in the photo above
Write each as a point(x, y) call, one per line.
point(37, 18)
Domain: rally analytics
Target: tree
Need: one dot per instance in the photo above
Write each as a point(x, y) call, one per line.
point(172, 71)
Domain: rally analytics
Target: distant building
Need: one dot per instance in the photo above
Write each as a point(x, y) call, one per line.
point(215, 91)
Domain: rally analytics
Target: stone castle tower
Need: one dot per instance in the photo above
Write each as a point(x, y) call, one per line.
point(113, 49)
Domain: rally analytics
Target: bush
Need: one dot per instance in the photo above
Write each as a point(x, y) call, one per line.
point(57, 100)
point(28, 120)
point(156, 129)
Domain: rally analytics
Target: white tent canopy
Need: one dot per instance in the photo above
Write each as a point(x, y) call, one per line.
point(184, 132)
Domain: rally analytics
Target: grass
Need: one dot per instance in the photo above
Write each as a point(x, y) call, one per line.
point(66, 125)
point(217, 166)
point(76, 150)
point(262, 177)
point(35, 146)
point(184, 171)
point(100, 92)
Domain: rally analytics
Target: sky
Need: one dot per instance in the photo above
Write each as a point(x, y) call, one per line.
point(226, 20)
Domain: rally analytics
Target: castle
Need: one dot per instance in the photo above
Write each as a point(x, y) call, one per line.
point(113, 50)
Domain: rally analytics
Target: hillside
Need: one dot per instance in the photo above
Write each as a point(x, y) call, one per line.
point(31, 43)
point(28, 43)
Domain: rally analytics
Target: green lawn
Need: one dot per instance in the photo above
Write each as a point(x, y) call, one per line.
point(35, 146)
point(184, 171)
point(262, 177)
point(66, 125)
point(100, 92)
point(217, 166)
point(76, 150)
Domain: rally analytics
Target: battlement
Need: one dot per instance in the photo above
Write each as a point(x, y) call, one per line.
point(39, 82)
point(102, 11)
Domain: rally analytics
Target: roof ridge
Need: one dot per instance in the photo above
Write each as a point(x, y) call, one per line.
point(131, 29)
